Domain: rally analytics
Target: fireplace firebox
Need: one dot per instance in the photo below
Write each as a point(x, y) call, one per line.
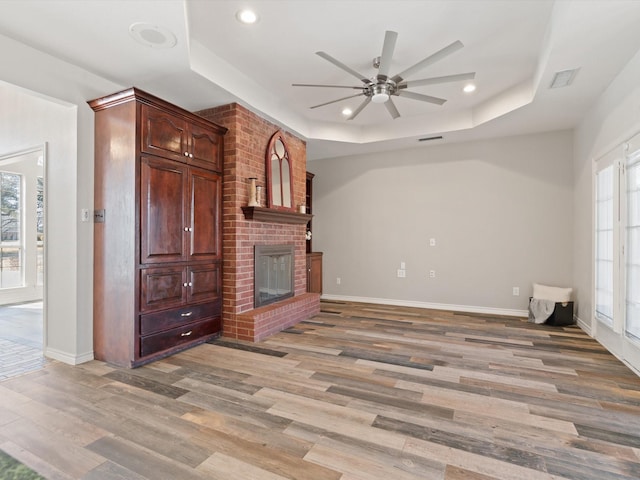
point(273, 273)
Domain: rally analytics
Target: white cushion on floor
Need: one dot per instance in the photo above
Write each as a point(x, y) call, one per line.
point(556, 294)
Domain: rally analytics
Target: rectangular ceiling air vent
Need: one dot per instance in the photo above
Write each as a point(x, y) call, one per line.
point(563, 78)
point(426, 139)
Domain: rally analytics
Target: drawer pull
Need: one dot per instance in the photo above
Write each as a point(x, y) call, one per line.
point(186, 314)
point(186, 334)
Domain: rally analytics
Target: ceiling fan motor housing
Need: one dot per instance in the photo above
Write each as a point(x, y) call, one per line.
point(380, 92)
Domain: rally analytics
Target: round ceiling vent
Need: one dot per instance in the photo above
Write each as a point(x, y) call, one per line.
point(153, 36)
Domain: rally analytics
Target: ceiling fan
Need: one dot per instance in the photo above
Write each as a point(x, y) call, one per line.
point(381, 87)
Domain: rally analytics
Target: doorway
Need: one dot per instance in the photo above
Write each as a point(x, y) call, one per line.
point(22, 246)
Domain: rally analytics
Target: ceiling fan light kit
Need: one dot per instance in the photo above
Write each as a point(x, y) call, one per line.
point(380, 93)
point(380, 88)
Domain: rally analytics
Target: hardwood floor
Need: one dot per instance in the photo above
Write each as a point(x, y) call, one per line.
point(359, 392)
point(20, 339)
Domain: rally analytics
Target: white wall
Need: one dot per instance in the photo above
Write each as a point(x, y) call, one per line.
point(65, 121)
point(614, 118)
point(500, 210)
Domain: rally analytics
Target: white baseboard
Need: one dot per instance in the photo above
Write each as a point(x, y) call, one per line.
point(433, 306)
point(586, 327)
point(68, 358)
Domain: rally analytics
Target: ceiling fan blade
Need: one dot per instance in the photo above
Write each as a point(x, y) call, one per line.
point(439, 55)
point(437, 80)
point(360, 108)
point(342, 66)
point(327, 86)
point(388, 47)
point(391, 108)
point(336, 101)
point(421, 97)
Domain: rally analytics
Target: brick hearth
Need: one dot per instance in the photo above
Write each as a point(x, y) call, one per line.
point(245, 147)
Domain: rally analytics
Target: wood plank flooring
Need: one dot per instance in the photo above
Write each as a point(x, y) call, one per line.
point(359, 392)
point(20, 339)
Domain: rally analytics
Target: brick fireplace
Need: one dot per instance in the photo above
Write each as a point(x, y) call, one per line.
point(244, 157)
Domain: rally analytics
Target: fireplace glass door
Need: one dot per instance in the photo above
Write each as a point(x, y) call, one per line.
point(274, 273)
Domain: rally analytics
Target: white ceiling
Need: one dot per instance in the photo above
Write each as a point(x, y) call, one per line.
point(514, 46)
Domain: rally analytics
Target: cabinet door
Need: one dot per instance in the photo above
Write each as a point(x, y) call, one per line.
point(162, 287)
point(163, 225)
point(205, 283)
point(205, 204)
point(164, 134)
point(314, 272)
point(205, 148)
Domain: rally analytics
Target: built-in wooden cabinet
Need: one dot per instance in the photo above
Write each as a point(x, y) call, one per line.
point(157, 244)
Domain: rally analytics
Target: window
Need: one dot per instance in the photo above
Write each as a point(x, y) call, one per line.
point(11, 244)
point(604, 245)
point(39, 231)
point(632, 254)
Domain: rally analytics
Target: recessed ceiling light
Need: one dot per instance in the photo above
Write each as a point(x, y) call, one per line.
point(247, 16)
point(469, 87)
point(153, 36)
point(347, 112)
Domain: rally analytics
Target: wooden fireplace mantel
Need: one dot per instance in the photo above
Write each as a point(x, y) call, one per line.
point(272, 215)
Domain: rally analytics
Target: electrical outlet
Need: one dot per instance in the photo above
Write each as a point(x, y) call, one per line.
point(338, 280)
point(432, 274)
point(516, 291)
point(401, 273)
point(84, 215)
point(432, 242)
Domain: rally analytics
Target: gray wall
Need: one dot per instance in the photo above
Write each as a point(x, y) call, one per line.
point(500, 212)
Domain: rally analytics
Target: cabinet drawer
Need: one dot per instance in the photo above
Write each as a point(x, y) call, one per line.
point(178, 336)
point(157, 322)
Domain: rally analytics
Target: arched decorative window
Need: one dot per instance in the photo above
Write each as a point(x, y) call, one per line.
point(279, 178)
